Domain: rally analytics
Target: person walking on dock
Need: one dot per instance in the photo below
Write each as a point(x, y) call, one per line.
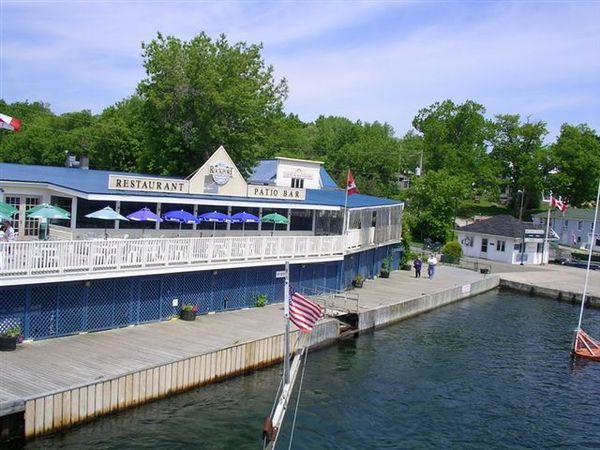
point(417, 264)
point(431, 263)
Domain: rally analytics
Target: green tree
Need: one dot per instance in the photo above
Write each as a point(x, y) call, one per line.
point(455, 138)
point(575, 161)
point(433, 200)
point(519, 151)
point(201, 94)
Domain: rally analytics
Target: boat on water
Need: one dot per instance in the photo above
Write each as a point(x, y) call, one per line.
point(584, 346)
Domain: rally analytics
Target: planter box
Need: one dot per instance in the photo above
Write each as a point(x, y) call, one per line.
point(188, 315)
point(384, 274)
point(357, 284)
point(8, 343)
point(406, 267)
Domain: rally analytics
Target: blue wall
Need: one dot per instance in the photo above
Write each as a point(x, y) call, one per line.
point(60, 309)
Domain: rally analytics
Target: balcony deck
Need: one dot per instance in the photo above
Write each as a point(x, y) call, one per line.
point(44, 261)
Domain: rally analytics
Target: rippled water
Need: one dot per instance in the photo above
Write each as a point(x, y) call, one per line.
point(493, 371)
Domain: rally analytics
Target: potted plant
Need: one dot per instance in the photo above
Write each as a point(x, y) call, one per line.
point(358, 280)
point(188, 312)
point(260, 300)
point(385, 268)
point(9, 338)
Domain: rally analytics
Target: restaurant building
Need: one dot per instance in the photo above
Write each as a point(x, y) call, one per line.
point(88, 274)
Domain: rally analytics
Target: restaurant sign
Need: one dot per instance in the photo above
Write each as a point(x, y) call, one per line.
point(147, 184)
point(276, 192)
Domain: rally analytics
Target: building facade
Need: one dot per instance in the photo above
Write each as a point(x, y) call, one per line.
point(85, 279)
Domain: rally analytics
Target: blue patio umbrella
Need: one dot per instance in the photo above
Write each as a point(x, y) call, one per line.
point(106, 214)
point(244, 218)
point(214, 217)
point(144, 215)
point(180, 216)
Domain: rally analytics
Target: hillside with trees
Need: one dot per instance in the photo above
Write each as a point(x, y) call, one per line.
point(203, 93)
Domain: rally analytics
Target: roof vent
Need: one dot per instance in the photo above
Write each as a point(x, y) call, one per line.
point(83, 163)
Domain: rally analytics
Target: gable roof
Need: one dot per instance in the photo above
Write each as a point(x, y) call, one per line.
point(96, 182)
point(501, 225)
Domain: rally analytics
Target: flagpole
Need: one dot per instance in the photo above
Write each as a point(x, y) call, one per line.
point(547, 229)
point(345, 206)
point(342, 277)
point(286, 312)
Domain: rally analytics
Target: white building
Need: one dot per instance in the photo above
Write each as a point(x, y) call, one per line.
point(503, 238)
point(574, 226)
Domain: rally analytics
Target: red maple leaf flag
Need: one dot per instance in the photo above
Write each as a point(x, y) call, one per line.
point(558, 203)
point(351, 185)
point(304, 313)
point(9, 123)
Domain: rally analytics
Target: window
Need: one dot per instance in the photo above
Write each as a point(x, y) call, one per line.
point(580, 225)
point(484, 245)
point(540, 247)
point(517, 247)
point(566, 224)
point(298, 183)
point(501, 246)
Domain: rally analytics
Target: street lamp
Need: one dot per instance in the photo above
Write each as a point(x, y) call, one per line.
point(522, 192)
point(420, 167)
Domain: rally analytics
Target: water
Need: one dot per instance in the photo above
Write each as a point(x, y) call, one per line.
point(493, 371)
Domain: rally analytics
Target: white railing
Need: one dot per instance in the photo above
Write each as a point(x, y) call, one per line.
point(24, 259)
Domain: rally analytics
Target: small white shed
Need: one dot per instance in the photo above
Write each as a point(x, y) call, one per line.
point(504, 238)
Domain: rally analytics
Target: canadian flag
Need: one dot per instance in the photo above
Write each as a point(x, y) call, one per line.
point(351, 185)
point(9, 123)
point(557, 202)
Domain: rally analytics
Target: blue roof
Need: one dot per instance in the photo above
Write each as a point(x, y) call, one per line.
point(326, 181)
point(96, 182)
point(265, 172)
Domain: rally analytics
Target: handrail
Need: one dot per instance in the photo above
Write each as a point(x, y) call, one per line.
point(21, 259)
point(334, 299)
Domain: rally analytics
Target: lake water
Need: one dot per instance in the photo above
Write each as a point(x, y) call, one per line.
point(493, 371)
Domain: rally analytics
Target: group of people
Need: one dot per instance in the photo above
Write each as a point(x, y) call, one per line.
point(431, 263)
point(7, 232)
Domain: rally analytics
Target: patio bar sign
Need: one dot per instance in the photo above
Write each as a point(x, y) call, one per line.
point(534, 235)
point(276, 192)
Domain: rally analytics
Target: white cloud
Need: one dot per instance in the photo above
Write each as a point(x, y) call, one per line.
point(363, 60)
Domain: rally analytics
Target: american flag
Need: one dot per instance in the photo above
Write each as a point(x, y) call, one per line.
point(304, 313)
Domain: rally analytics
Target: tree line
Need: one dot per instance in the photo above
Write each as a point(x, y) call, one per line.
point(203, 93)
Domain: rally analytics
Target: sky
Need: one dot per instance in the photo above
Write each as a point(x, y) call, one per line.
point(363, 60)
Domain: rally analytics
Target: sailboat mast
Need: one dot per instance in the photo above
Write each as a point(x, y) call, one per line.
point(589, 263)
point(286, 342)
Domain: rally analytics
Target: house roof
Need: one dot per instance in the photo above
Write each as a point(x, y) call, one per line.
point(96, 182)
point(569, 214)
point(265, 172)
point(501, 225)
